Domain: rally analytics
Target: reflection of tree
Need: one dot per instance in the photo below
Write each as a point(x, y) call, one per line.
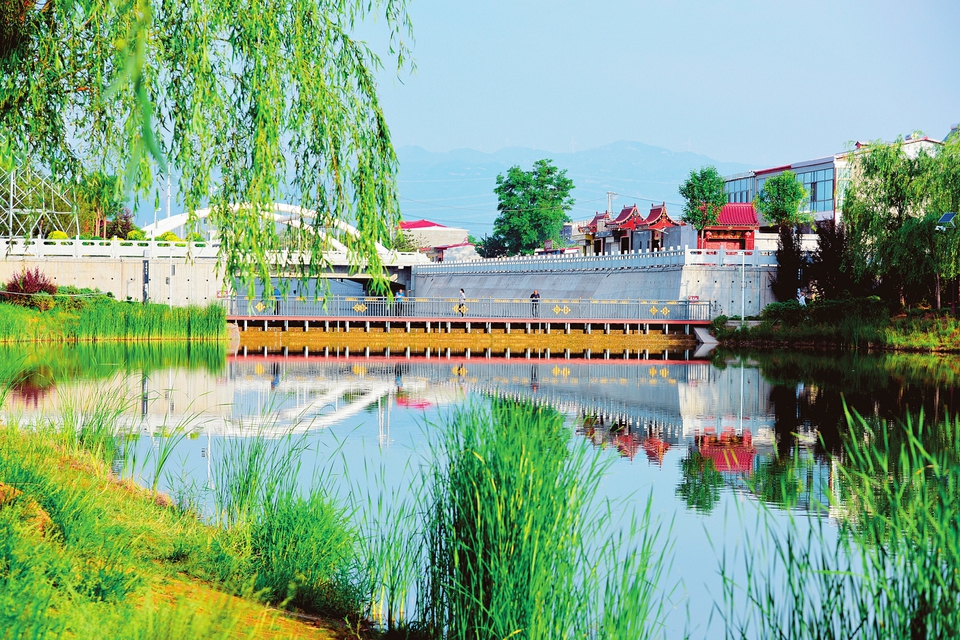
point(700, 486)
point(785, 481)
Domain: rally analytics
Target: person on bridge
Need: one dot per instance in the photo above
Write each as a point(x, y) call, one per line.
point(535, 303)
point(463, 303)
point(399, 298)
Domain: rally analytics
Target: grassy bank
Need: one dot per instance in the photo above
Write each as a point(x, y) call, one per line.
point(99, 318)
point(84, 553)
point(865, 323)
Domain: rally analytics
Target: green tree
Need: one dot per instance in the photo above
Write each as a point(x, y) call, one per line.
point(98, 199)
point(257, 102)
point(779, 201)
point(700, 482)
point(704, 198)
point(533, 206)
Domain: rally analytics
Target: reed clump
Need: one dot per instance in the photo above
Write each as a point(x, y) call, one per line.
point(893, 571)
point(99, 317)
point(507, 544)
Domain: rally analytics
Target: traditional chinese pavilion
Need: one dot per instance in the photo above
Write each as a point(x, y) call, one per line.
point(736, 229)
point(637, 232)
point(591, 244)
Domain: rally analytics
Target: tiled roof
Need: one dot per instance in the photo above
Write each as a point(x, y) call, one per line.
point(420, 224)
point(625, 214)
point(738, 214)
point(591, 227)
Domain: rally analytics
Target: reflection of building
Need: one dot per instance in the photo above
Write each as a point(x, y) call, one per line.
point(730, 452)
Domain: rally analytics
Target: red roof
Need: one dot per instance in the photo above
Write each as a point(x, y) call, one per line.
point(420, 224)
point(626, 213)
point(738, 214)
point(591, 227)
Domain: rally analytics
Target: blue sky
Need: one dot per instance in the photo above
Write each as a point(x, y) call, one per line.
point(759, 82)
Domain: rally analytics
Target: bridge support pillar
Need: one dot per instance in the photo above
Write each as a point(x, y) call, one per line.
point(366, 326)
point(508, 328)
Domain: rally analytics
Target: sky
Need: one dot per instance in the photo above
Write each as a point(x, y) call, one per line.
point(762, 82)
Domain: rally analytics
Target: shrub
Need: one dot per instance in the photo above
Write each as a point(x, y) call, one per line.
point(43, 301)
point(168, 236)
point(194, 236)
point(719, 322)
point(136, 234)
point(58, 235)
point(789, 313)
point(22, 288)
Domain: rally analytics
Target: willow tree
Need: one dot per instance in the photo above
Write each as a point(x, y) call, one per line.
point(248, 102)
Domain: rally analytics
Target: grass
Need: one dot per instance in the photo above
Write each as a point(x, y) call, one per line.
point(108, 319)
point(863, 323)
point(86, 554)
point(506, 545)
point(894, 569)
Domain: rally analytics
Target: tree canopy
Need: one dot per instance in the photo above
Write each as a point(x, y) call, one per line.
point(780, 199)
point(891, 208)
point(249, 103)
point(703, 198)
point(533, 206)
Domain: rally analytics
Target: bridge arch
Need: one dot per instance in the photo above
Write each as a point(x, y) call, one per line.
point(288, 214)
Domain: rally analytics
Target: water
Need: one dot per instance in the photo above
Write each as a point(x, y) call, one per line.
point(721, 447)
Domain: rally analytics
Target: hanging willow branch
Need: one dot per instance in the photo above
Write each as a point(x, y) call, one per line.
point(250, 101)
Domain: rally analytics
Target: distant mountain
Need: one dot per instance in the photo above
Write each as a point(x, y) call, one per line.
point(456, 187)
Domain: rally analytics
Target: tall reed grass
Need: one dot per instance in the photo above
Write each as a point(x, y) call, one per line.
point(507, 545)
point(893, 571)
point(107, 319)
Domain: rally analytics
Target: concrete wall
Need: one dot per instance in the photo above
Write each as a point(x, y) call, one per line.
point(178, 281)
point(719, 284)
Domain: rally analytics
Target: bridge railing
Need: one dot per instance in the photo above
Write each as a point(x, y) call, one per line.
point(153, 249)
point(477, 308)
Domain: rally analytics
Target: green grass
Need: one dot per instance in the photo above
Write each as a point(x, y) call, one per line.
point(893, 571)
point(855, 323)
point(507, 543)
point(107, 319)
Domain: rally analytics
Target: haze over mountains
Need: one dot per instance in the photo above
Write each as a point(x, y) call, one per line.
point(455, 188)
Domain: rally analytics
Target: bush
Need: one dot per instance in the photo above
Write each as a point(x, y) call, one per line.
point(789, 313)
point(22, 288)
point(168, 236)
point(193, 236)
point(58, 235)
point(719, 322)
point(136, 234)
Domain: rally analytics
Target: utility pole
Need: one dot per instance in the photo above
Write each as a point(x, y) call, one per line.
point(610, 196)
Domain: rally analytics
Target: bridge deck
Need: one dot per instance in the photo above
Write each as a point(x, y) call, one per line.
point(357, 320)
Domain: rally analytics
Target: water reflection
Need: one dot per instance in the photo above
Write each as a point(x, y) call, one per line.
point(763, 425)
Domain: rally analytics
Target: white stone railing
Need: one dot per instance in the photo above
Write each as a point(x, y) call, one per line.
point(73, 248)
point(635, 260)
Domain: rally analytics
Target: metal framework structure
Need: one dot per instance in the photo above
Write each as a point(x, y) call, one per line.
point(32, 205)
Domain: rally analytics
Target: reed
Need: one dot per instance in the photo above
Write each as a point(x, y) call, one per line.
point(893, 571)
point(507, 545)
point(107, 319)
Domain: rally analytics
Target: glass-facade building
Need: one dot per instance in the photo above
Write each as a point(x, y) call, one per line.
point(819, 179)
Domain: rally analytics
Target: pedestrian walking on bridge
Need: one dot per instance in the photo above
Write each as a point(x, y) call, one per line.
point(535, 303)
point(463, 303)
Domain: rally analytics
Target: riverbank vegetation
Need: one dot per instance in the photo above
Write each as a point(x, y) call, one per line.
point(33, 309)
point(856, 323)
point(865, 323)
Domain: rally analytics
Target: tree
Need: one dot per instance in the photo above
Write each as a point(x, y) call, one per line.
point(704, 198)
point(886, 188)
point(533, 206)
point(250, 102)
point(830, 267)
point(779, 201)
point(98, 200)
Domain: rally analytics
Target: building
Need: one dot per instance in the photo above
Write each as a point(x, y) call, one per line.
point(632, 230)
point(426, 234)
point(825, 179)
point(736, 229)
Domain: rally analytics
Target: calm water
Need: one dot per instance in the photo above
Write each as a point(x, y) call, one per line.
point(716, 445)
